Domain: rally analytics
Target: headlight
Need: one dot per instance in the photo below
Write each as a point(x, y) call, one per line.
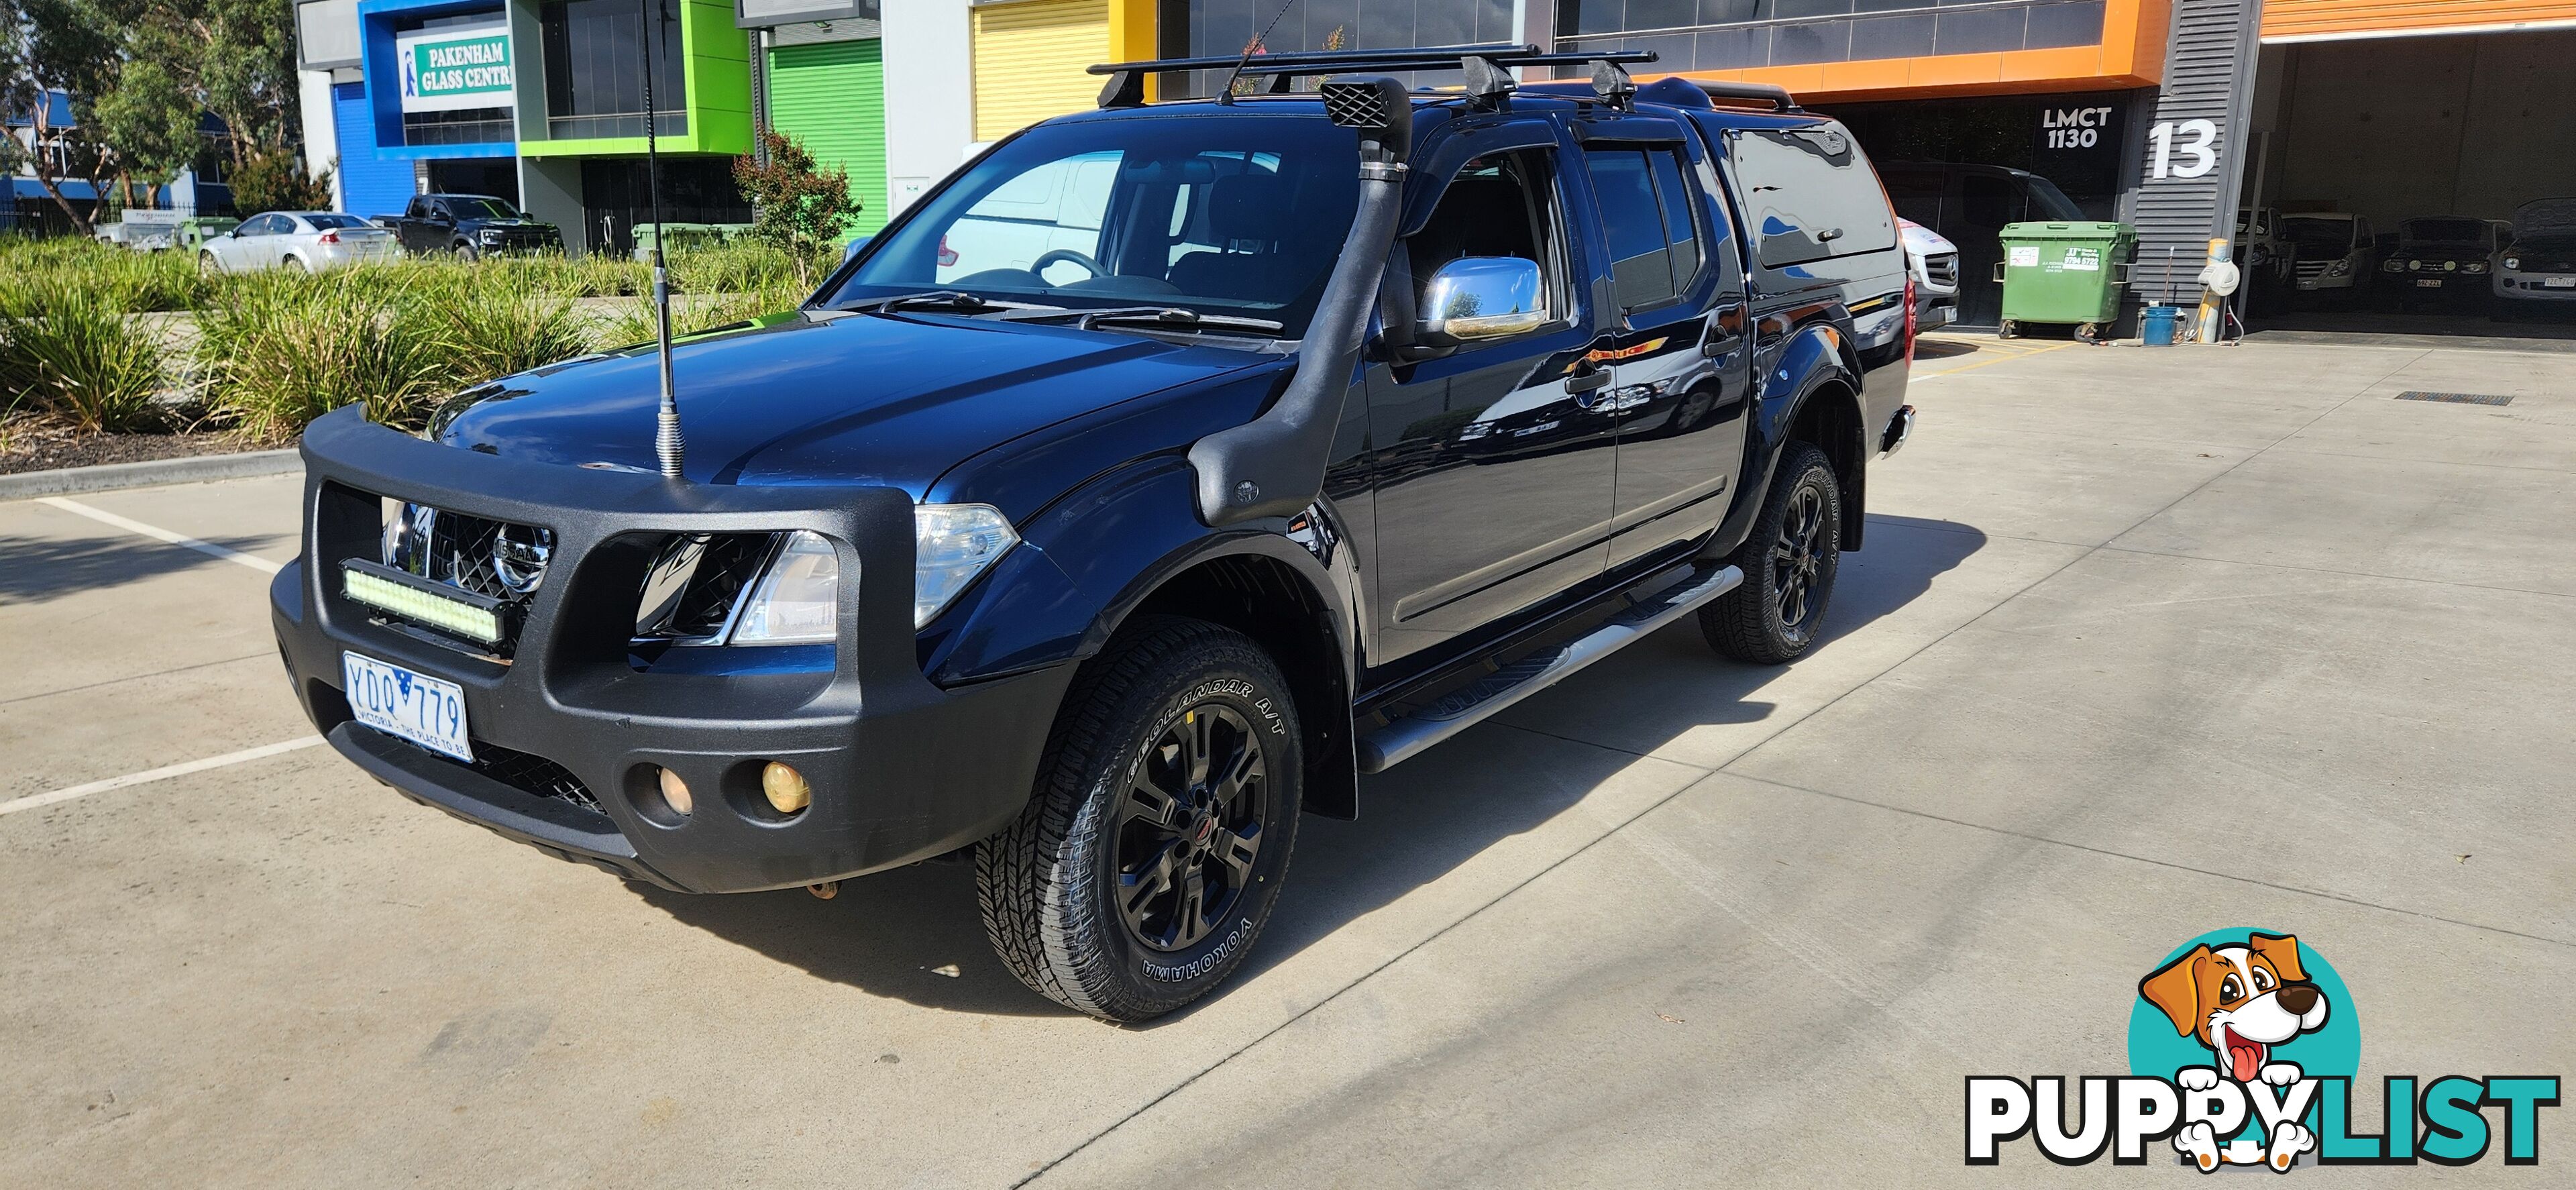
point(2340, 268)
point(2414, 266)
point(2450, 266)
point(2513, 262)
point(489, 233)
point(952, 543)
point(2475, 266)
point(2392, 266)
point(799, 596)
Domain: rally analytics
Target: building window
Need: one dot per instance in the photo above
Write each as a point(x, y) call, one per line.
point(595, 69)
point(1747, 34)
point(1206, 28)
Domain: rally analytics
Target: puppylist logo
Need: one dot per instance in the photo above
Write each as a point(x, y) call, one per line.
point(2243, 1046)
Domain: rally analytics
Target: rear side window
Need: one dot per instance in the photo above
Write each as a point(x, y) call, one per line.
point(1648, 212)
point(1810, 195)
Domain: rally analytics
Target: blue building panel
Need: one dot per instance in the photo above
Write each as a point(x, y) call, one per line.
point(370, 183)
point(379, 65)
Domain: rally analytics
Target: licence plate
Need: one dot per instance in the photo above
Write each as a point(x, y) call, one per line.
point(427, 711)
point(2559, 282)
point(2429, 283)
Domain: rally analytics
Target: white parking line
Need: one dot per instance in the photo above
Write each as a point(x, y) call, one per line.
point(35, 801)
point(158, 533)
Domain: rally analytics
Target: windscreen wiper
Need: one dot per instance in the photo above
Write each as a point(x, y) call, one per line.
point(1168, 318)
point(956, 300)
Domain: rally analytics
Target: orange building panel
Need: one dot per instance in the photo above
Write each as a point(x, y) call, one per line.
point(2328, 20)
point(2132, 54)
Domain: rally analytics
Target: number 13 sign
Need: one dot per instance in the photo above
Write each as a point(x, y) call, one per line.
point(2198, 156)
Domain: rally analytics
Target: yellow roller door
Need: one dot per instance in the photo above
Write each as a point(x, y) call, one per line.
point(1029, 59)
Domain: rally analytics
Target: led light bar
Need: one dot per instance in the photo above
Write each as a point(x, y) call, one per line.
point(395, 594)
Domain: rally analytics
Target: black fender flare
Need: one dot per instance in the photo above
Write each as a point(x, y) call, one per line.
point(1817, 361)
point(1090, 561)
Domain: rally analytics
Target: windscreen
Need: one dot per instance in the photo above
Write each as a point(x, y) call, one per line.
point(1231, 214)
point(481, 208)
point(2444, 231)
point(1810, 194)
point(2047, 202)
point(2554, 218)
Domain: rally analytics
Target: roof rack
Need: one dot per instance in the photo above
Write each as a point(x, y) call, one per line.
point(1484, 64)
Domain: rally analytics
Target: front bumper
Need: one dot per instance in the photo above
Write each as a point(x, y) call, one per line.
point(902, 769)
point(2532, 287)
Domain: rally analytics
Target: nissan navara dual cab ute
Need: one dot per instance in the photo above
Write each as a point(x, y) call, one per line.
point(1347, 419)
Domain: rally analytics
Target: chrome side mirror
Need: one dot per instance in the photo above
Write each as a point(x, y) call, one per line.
point(1478, 298)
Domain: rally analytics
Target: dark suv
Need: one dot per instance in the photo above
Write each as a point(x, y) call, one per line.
point(471, 226)
point(1316, 428)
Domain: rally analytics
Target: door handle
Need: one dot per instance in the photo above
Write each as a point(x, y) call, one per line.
point(1587, 380)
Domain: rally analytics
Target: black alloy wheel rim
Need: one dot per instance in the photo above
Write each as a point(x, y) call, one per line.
point(1795, 560)
point(1188, 829)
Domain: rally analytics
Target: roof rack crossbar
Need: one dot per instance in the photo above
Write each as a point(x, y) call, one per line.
point(1342, 58)
point(1776, 96)
point(1346, 61)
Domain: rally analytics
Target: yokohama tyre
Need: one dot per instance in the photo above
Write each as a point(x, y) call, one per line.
point(1789, 561)
point(1153, 848)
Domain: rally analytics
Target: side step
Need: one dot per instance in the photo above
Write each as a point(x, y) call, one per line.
point(1405, 738)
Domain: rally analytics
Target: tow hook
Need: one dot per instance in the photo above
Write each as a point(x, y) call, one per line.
point(1899, 429)
point(825, 891)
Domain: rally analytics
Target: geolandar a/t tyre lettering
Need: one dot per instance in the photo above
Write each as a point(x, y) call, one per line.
point(1149, 858)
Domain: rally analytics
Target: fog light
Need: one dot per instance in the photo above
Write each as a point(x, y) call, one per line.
point(785, 788)
point(676, 792)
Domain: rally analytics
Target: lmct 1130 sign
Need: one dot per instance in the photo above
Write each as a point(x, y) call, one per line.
point(445, 70)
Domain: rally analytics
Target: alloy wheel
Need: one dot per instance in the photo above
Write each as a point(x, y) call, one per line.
point(1189, 827)
point(1795, 560)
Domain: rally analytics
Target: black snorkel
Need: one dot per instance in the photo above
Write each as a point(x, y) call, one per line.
point(1273, 465)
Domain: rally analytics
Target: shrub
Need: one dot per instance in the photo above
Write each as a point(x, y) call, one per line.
point(801, 208)
point(71, 350)
point(281, 349)
point(501, 321)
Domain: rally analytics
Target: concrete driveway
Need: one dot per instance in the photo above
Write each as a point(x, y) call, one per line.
point(2144, 644)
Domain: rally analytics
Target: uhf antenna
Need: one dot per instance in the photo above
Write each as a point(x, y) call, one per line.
point(1225, 94)
point(667, 446)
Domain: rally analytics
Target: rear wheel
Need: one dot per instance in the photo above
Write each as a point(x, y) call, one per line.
point(1153, 849)
point(1789, 561)
point(2009, 330)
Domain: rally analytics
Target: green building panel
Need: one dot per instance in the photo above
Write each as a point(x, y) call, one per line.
point(831, 98)
point(716, 56)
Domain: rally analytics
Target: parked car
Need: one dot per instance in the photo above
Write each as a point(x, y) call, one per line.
point(1934, 263)
point(1970, 205)
point(1375, 413)
point(308, 241)
point(2270, 262)
point(2441, 261)
point(2336, 252)
point(2538, 271)
point(470, 226)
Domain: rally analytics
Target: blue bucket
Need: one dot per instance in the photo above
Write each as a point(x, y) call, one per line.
point(2160, 324)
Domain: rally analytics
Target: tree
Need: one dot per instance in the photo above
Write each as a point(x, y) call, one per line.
point(797, 206)
point(273, 179)
point(75, 48)
point(235, 58)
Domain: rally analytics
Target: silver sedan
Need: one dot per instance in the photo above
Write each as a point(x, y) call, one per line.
point(308, 241)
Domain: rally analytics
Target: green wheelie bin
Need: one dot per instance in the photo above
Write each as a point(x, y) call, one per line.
point(2069, 273)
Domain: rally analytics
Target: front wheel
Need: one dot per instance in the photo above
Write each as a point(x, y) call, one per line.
point(1153, 848)
point(1789, 561)
point(465, 253)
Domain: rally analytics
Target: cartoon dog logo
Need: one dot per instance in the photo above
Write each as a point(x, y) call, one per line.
point(2240, 1001)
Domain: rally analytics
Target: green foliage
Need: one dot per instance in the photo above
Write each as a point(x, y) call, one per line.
point(69, 349)
point(280, 348)
point(800, 209)
point(276, 349)
point(272, 178)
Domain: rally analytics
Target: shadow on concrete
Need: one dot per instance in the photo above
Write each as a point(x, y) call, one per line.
point(887, 933)
point(38, 569)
